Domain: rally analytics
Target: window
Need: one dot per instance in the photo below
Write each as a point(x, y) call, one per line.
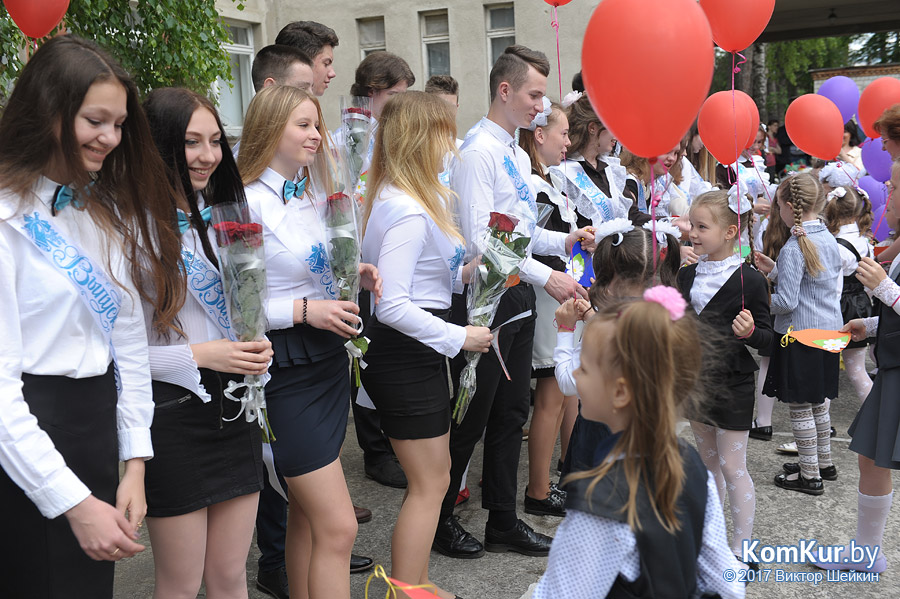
point(436, 43)
point(234, 98)
point(371, 35)
point(501, 30)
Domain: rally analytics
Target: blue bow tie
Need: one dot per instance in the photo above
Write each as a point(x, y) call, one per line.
point(63, 197)
point(293, 190)
point(184, 222)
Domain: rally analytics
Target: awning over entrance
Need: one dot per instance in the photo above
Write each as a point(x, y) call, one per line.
point(797, 19)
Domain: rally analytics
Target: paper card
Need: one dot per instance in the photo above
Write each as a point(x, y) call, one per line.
point(580, 265)
point(833, 341)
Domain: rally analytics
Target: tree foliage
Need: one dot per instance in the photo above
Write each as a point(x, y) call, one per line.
point(160, 42)
point(876, 48)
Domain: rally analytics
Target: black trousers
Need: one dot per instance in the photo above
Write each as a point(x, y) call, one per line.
point(499, 408)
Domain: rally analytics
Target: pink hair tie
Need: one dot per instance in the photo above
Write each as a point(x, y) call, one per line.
point(798, 231)
point(669, 298)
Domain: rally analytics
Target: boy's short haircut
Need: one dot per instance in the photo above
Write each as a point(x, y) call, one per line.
point(512, 67)
point(308, 36)
point(442, 84)
point(274, 61)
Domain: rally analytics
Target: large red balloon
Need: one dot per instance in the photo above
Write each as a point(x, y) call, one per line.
point(557, 2)
point(724, 124)
point(878, 96)
point(36, 18)
point(736, 24)
point(740, 96)
point(623, 44)
point(815, 125)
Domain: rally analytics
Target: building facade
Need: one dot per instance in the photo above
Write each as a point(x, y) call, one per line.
point(461, 38)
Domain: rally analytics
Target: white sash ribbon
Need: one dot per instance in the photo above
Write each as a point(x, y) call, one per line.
point(205, 286)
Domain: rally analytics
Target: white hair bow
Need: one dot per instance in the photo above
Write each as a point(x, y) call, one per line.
point(570, 99)
point(540, 120)
point(663, 228)
point(616, 226)
point(837, 192)
point(738, 206)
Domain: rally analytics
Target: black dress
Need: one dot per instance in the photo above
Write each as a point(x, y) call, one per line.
point(729, 366)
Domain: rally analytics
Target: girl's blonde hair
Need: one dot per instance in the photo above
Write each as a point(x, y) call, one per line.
point(416, 132)
point(804, 193)
point(852, 207)
point(267, 117)
point(659, 359)
point(717, 203)
point(527, 142)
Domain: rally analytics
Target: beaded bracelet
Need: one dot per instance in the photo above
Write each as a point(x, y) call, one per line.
point(305, 304)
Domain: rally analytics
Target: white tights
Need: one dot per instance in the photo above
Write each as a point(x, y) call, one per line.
point(724, 453)
point(855, 364)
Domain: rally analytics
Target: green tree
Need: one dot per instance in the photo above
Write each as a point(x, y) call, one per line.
point(160, 42)
point(876, 48)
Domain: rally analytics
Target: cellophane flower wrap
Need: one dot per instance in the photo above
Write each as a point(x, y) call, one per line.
point(506, 243)
point(355, 138)
point(239, 245)
point(340, 215)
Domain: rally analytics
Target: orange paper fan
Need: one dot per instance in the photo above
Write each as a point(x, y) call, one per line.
point(833, 341)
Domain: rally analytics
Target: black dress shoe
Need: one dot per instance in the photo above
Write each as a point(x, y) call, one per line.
point(810, 486)
point(360, 563)
point(553, 505)
point(828, 472)
point(363, 515)
point(521, 539)
point(388, 473)
point(452, 540)
point(273, 582)
point(763, 433)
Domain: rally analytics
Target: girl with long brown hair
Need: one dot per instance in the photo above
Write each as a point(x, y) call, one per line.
point(86, 232)
point(282, 160)
point(411, 237)
point(650, 498)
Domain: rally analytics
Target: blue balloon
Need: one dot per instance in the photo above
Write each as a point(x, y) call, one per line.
point(876, 160)
point(844, 92)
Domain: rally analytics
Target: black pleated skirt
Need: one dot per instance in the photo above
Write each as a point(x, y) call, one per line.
point(308, 398)
point(41, 558)
point(731, 405)
point(199, 458)
point(876, 428)
point(408, 382)
point(802, 374)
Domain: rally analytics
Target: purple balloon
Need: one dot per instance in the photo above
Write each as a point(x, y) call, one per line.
point(844, 93)
point(878, 192)
point(880, 228)
point(876, 160)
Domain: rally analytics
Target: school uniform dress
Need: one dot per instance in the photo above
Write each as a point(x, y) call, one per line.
point(596, 553)
point(718, 291)
point(307, 394)
point(798, 373)
point(205, 452)
point(876, 428)
point(410, 336)
point(63, 426)
point(596, 190)
point(564, 219)
point(855, 303)
point(489, 176)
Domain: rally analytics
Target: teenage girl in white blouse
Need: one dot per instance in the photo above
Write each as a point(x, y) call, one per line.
point(411, 237)
point(78, 191)
point(307, 396)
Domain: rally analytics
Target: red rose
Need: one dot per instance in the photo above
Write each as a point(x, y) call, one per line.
point(226, 232)
point(339, 196)
point(251, 233)
point(503, 222)
point(361, 111)
point(252, 228)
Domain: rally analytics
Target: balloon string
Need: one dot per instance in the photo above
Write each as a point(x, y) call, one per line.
point(853, 180)
point(555, 24)
point(735, 68)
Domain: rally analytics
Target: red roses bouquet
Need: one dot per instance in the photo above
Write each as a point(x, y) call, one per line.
point(239, 245)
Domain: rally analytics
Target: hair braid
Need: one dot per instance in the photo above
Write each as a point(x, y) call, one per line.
point(803, 200)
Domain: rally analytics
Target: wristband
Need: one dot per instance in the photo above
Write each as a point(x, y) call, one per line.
point(305, 304)
point(753, 328)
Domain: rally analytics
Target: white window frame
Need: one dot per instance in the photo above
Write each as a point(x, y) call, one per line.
point(247, 85)
point(365, 50)
point(495, 33)
point(432, 39)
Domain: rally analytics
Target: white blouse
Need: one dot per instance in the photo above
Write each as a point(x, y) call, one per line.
point(862, 244)
point(567, 359)
point(45, 329)
point(710, 277)
point(294, 241)
point(419, 266)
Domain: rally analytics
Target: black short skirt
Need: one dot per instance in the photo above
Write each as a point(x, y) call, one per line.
point(408, 383)
point(199, 458)
point(876, 428)
point(308, 398)
point(42, 558)
point(731, 404)
point(802, 374)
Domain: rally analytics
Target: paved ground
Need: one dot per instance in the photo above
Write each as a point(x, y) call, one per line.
point(781, 517)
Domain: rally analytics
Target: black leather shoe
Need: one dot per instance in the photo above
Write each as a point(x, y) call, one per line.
point(828, 472)
point(363, 515)
point(360, 563)
point(521, 539)
point(452, 540)
point(763, 433)
point(388, 473)
point(810, 486)
point(833, 432)
point(273, 582)
point(553, 505)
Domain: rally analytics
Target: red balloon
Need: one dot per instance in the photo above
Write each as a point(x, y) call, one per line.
point(736, 25)
point(724, 124)
point(754, 115)
point(649, 121)
point(36, 18)
point(815, 125)
point(878, 96)
point(557, 2)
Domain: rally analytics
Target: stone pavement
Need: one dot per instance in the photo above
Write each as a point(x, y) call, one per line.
point(782, 517)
